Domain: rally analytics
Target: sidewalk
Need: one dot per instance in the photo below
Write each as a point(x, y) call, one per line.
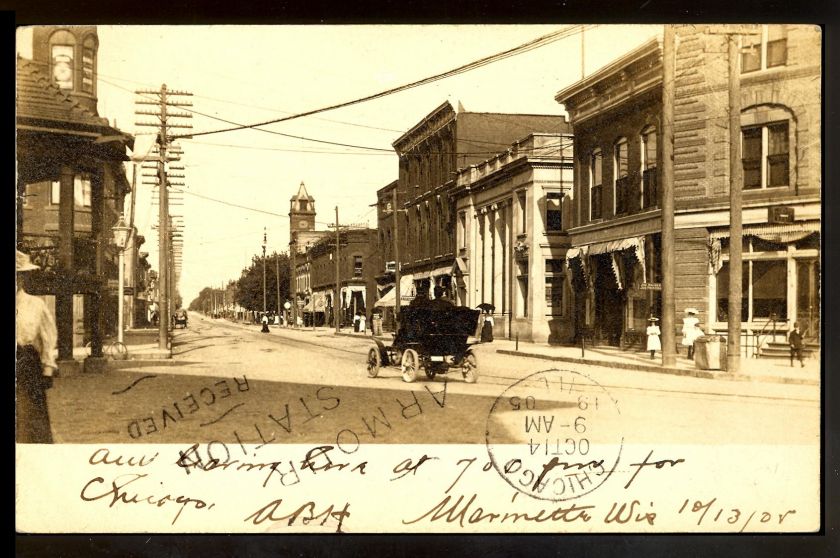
point(752, 369)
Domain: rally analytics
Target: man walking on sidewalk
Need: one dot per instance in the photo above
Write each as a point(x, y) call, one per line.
point(795, 340)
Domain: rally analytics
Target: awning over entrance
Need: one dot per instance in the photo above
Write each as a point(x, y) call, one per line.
point(445, 270)
point(635, 243)
point(790, 232)
point(407, 293)
point(459, 267)
point(347, 293)
point(308, 306)
point(320, 301)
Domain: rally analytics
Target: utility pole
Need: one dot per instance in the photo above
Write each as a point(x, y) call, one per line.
point(265, 241)
point(733, 355)
point(669, 347)
point(293, 277)
point(163, 140)
point(277, 274)
point(337, 271)
point(397, 272)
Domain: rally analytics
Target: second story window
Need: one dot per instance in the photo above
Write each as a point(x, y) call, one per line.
point(595, 164)
point(81, 191)
point(523, 225)
point(357, 266)
point(554, 211)
point(649, 186)
point(462, 229)
point(621, 180)
point(765, 49)
point(765, 155)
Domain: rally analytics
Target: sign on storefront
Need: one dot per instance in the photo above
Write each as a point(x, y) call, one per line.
point(651, 286)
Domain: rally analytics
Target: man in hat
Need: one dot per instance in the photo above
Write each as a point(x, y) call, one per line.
point(795, 341)
point(690, 322)
point(36, 337)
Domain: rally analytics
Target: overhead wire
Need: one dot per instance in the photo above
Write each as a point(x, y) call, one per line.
point(525, 47)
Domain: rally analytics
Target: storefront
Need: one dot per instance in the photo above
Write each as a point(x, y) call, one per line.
point(780, 278)
point(617, 287)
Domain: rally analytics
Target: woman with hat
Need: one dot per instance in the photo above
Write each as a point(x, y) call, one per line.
point(653, 333)
point(690, 323)
point(36, 336)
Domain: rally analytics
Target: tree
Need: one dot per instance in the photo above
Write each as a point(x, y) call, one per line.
point(249, 287)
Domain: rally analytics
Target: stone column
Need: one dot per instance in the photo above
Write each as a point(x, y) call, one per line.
point(486, 256)
point(498, 257)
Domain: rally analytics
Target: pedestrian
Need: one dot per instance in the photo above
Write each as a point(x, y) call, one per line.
point(487, 328)
point(362, 323)
point(356, 320)
point(689, 330)
point(36, 336)
point(653, 333)
point(264, 324)
point(795, 341)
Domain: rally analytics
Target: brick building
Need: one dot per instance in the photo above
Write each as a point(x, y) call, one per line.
point(71, 185)
point(616, 239)
point(430, 153)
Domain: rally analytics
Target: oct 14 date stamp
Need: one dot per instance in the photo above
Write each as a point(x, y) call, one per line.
point(555, 435)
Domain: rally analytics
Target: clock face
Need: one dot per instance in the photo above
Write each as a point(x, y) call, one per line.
point(63, 66)
point(303, 224)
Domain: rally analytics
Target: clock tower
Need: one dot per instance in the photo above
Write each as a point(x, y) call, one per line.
point(69, 56)
point(302, 211)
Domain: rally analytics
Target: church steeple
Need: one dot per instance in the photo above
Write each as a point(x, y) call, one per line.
point(69, 57)
point(302, 211)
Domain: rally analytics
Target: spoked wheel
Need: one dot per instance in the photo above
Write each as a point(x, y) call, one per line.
point(469, 368)
point(374, 362)
point(430, 373)
point(410, 365)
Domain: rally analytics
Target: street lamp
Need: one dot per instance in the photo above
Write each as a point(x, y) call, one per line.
point(121, 232)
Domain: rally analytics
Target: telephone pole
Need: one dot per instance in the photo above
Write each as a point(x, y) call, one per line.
point(733, 355)
point(336, 299)
point(277, 276)
point(395, 214)
point(669, 346)
point(162, 102)
point(265, 241)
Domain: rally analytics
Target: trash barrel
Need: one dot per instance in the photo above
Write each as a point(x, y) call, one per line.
point(376, 324)
point(710, 352)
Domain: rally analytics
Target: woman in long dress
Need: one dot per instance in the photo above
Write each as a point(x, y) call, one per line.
point(487, 328)
point(36, 336)
point(653, 333)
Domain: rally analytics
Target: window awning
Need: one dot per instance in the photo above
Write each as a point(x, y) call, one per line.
point(308, 306)
point(407, 293)
point(444, 270)
point(459, 267)
point(790, 232)
point(320, 301)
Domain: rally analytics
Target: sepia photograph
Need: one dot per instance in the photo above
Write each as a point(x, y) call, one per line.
point(437, 278)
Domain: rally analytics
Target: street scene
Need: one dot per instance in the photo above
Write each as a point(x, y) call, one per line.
point(528, 229)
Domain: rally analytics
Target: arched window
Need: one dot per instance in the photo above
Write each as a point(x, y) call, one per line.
point(621, 182)
point(649, 160)
point(89, 47)
point(595, 186)
point(63, 59)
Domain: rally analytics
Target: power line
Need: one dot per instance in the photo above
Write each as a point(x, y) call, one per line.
point(525, 47)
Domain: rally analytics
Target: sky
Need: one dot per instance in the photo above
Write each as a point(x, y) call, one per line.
point(249, 74)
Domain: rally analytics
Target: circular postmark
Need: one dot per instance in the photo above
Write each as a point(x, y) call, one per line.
point(555, 435)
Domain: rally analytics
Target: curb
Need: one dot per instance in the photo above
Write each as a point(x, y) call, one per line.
point(357, 336)
point(663, 370)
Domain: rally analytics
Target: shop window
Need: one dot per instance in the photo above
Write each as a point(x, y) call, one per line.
point(554, 295)
point(649, 185)
point(765, 155)
point(81, 191)
point(621, 180)
point(765, 49)
point(595, 186)
point(763, 288)
point(554, 211)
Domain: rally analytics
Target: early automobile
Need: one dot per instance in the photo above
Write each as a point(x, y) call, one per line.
point(431, 339)
point(180, 319)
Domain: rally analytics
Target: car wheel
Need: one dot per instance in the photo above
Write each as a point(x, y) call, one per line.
point(469, 368)
point(374, 362)
point(410, 365)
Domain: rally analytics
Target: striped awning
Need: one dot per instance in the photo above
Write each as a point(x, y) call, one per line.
point(790, 232)
point(320, 301)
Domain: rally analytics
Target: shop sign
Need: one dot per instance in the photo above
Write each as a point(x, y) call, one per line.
point(650, 286)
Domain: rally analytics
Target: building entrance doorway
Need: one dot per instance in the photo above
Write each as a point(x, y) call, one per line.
point(808, 297)
point(609, 306)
